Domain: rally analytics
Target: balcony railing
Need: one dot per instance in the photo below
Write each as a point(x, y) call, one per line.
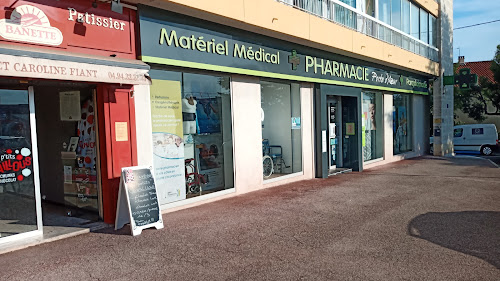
point(347, 16)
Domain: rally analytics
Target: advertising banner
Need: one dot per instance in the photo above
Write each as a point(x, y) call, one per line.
point(168, 143)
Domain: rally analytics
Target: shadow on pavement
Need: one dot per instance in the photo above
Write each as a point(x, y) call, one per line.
point(475, 233)
point(111, 230)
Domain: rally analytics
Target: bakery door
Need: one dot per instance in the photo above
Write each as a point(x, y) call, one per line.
point(20, 209)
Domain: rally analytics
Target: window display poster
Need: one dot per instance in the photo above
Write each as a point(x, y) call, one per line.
point(15, 164)
point(372, 115)
point(208, 115)
point(168, 143)
point(350, 129)
point(86, 136)
point(209, 154)
point(68, 174)
point(367, 127)
point(69, 105)
point(401, 129)
point(295, 123)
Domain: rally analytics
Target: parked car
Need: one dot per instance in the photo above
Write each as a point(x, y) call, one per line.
point(474, 137)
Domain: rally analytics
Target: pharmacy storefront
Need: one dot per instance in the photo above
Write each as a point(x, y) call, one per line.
point(234, 111)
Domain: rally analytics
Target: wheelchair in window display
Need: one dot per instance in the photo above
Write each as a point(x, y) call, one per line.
point(272, 159)
point(194, 180)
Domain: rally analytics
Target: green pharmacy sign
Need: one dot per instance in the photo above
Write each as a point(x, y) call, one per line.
point(465, 79)
point(177, 40)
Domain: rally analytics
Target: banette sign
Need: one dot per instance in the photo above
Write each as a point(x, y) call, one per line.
point(30, 24)
point(91, 19)
point(76, 26)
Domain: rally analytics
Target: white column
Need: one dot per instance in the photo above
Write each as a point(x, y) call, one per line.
point(388, 130)
point(247, 133)
point(306, 100)
point(143, 126)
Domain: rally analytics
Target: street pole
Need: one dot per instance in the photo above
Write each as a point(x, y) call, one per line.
point(443, 95)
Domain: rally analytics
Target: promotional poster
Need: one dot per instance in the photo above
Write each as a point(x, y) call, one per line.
point(168, 143)
point(210, 156)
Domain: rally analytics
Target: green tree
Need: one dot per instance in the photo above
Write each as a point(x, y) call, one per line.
point(481, 100)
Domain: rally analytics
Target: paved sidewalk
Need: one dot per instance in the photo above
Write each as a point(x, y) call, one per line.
point(422, 219)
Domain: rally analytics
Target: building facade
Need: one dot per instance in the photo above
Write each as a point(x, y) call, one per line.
point(222, 97)
point(294, 89)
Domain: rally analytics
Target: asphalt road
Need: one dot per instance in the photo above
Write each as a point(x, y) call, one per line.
point(495, 157)
point(422, 219)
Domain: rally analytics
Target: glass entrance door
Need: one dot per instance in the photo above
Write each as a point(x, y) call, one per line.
point(350, 133)
point(19, 192)
point(334, 142)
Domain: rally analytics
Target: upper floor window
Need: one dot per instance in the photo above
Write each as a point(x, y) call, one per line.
point(414, 21)
point(408, 18)
point(369, 8)
point(432, 32)
point(384, 11)
point(396, 13)
point(405, 16)
point(351, 3)
point(424, 26)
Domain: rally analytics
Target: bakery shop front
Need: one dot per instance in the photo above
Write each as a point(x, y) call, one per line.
point(70, 89)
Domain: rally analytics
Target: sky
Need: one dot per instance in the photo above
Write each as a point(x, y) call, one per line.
point(476, 43)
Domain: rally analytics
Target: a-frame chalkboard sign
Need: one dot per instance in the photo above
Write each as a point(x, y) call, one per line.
point(137, 200)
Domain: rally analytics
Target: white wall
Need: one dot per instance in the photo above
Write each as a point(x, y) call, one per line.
point(247, 133)
point(143, 125)
point(388, 130)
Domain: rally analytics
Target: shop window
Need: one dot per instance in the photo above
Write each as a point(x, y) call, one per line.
point(281, 129)
point(402, 123)
point(372, 126)
point(192, 134)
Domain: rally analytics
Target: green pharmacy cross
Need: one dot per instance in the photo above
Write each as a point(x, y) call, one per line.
point(464, 79)
point(294, 59)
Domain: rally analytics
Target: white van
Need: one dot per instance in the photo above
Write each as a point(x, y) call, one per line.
point(474, 137)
